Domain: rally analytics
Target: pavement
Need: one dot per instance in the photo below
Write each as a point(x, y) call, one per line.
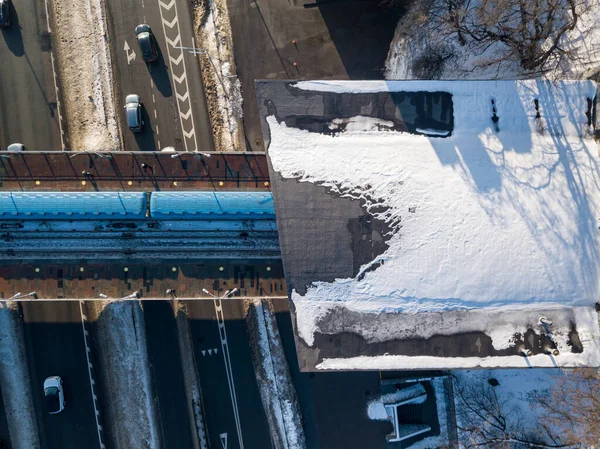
point(55, 346)
point(166, 369)
point(171, 89)
point(28, 111)
point(234, 416)
point(327, 39)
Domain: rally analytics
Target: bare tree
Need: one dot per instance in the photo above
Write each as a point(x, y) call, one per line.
point(530, 30)
point(573, 406)
point(487, 420)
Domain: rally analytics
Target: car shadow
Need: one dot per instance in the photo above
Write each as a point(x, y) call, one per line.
point(160, 75)
point(145, 139)
point(12, 34)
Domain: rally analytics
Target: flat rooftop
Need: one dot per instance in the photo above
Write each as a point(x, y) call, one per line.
point(437, 224)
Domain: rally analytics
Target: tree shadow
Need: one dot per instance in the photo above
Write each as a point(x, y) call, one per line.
point(160, 75)
point(145, 139)
point(12, 35)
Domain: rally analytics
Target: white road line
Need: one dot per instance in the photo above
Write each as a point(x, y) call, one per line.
point(92, 383)
point(157, 133)
point(153, 99)
point(47, 16)
point(175, 78)
point(166, 6)
point(172, 23)
point(155, 113)
point(158, 143)
point(187, 115)
point(228, 368)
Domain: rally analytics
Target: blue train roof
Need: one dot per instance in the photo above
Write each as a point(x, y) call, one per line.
point(203, 205)
point(72, 205)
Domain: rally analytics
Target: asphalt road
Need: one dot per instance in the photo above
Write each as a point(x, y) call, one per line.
point(165, 360)
point(235, 418)
point(4, 436)
point(28, 104)
point(55, 346)
point(175, 112)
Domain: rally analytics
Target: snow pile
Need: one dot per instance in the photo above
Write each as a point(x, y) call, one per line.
point(86, 74)
point(222, 86)
point(190, 372)
point(502, 218)
point(412, 42)
point(121, 339)
point(14, 380)
point(274, 380)
point(376, 408)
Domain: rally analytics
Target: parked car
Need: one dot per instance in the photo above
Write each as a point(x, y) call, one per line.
point(54, 395)
point(4, 13)
point(15, 146)
point(147, 42)
point(133, 113)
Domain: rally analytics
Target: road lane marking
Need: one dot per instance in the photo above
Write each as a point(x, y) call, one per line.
point(170, 24)
point(130, 56)
point(91, 377)
point(187, 115)
point(178, 69)
point(228, 368)
point(164, 5)
point(175, 42)
point(176, 61)
point(183, 97)
point(153, 99)
point(157, 133)
point(223, 437)
point(155, 113)
point(178, 79)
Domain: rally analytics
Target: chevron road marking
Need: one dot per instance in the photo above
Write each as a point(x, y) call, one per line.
point(166, 6)
point(178, 60)
point(187, 115)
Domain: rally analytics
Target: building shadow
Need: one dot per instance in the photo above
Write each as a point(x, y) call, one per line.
point(361, 31)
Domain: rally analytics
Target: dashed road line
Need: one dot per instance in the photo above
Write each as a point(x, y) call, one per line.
point(155, 113)
point(92, 382)
point(157, 133)
point(228, 368)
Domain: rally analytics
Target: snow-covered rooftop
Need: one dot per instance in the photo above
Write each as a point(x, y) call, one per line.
point(501, 214)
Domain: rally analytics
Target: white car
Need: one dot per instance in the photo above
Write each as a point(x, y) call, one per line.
point(54, 395)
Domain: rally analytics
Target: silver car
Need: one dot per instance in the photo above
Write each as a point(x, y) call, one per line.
point(133, 113)
point(54, 395)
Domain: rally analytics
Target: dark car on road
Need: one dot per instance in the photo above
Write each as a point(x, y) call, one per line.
point(4, 13)
point(147, 42)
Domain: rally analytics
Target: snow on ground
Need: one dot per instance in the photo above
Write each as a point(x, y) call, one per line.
point(410, 42)
point(85, 73)
point(274, 379)
point(515, 390)
point(497, 219)
point(14, 380)
point(121, 338)
point(223, 88)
